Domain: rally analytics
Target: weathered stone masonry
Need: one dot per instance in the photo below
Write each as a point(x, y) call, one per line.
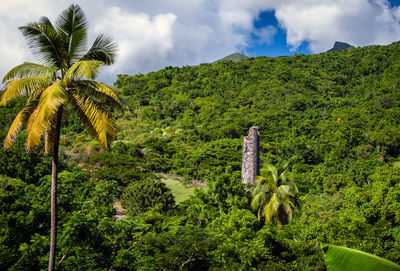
point(251, 156)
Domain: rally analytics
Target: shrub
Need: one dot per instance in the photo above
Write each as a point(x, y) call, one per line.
point(139, 196)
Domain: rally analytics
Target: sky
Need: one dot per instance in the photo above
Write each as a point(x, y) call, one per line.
point(153, 34)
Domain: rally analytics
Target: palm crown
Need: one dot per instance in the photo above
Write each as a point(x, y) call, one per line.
point(274, 195)
point(62, 80)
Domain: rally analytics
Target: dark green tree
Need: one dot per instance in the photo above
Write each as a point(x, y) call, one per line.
point(139, 196)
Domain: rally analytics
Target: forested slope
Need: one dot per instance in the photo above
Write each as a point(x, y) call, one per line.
point(335, 116)
point(332, 113)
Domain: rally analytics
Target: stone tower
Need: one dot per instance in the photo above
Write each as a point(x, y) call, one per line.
point(251, 156)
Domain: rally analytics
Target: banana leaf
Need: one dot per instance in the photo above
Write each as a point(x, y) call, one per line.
point(339, 258)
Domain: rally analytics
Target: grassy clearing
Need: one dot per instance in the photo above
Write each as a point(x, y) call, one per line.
point(180, 190)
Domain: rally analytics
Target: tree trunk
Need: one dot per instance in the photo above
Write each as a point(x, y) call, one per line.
point(53, 208)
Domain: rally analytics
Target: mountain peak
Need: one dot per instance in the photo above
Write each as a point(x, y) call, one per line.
point(339, 46)
point(235, 57)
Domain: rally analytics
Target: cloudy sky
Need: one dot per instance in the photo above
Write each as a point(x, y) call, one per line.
point(152, 34)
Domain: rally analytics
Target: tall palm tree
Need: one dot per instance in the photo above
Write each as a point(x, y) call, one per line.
point(61, 81)
point(274, 195)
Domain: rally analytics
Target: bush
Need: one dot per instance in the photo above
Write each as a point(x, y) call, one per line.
point(139, 196)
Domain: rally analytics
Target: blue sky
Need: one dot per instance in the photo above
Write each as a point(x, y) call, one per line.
point(153, 34)
point(278, 45)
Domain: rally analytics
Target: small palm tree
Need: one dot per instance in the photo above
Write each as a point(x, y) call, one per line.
point(62, 81)
point(273, 195)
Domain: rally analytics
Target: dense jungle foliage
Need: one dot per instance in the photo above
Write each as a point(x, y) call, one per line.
point(334, 116)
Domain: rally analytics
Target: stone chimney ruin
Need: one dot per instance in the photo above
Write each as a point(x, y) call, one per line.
point(251, 156)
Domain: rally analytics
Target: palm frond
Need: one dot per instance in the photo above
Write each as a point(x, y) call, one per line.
point(259, 182)
point(293, 186)
point(23, 86)
point(42, 120)
point(270, 185)
point(257, 201)
point(98, 121)
point(260, 179)
point(287, 210)
point(83, 69)
point(264, 171)
point(21, 119)
point(50, 100)
point(284, 191)
point(28, 69)
point(45, 43)
point(100, 91)
point(72, 27)
point(257, 189)
point(45, 21)
point(103, 49)
point(282, 176)
point(260, 213)
point(282, 217)
point(273, 171)
point(13, 131)
point(271, 208)
point(36, 128)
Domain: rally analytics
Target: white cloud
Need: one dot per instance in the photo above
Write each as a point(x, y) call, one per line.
point(358, 22)
point(23, 9)
point(153, 34)
point(180, 33)
point(265, 35)
point(142, 40)
point(13, 47)
point(396, 13)
point(313, 24)
point(241, 13)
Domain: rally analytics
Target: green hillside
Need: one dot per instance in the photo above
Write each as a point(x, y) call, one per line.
point(235, 57)
point(332, 113)
point(334, 116)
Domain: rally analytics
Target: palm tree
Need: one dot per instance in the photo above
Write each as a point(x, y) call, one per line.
point(61, 81)
point(274, 195)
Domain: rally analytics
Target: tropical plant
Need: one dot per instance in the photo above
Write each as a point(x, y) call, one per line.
point(62, 81)
point(274, 195)
point(342, 258)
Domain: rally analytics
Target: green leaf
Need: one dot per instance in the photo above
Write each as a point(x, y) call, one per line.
point(87, 69)
point(339, 258)
point(103, 49)
point(72, 27)
point(46, 44)
point(28, 70)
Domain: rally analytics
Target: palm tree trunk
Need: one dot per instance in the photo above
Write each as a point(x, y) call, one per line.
point(53, 208)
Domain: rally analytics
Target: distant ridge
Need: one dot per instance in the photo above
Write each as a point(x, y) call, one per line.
point(235, 57)
point(339, 46)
